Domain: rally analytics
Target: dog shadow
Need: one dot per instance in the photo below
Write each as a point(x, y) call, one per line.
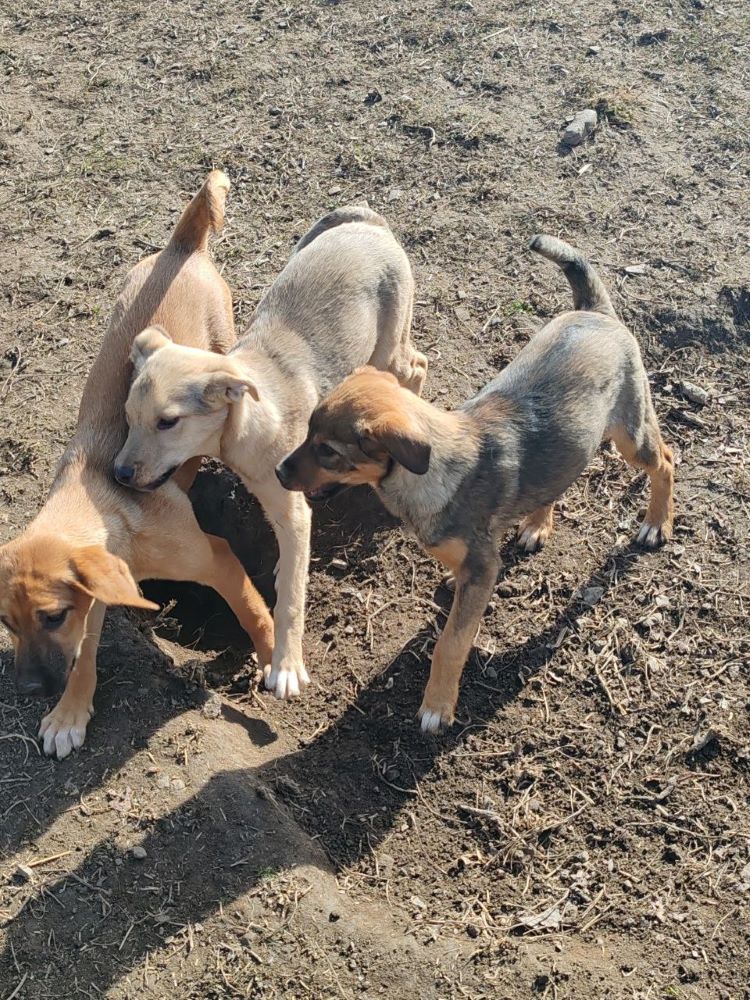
point(348, 811)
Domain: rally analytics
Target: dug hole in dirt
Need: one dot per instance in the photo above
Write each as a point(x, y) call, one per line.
point(583, 830)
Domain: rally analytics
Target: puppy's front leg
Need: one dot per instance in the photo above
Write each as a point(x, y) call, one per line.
point(474, 586)
point(290, 518)
point(64, 728)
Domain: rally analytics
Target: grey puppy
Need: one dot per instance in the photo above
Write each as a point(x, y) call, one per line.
point(460, 479)
point(343, 300)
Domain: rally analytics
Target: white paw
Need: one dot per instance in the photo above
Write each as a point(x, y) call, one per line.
point(432, 722)
point(286, 682)
point(651, 535)
point(532, 538)
point(64, 730)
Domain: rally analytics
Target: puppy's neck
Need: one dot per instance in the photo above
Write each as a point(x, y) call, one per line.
point(251, 422)
point(419, 500)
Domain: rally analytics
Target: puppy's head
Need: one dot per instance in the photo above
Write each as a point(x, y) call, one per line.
point(176, 409)
point(47, 587)
point(355, 435)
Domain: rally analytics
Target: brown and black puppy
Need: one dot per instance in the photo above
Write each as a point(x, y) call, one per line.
point(460, 479)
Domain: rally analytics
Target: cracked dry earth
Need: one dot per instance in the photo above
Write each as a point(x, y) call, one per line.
point(584, 829)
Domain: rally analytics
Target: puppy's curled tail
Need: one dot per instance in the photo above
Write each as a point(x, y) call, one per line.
point(339, 217)
point(204, 214)
point(589, 293)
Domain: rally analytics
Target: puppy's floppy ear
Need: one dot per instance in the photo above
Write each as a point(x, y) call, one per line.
point(106, 578)
point(404, 445)
point(227, 386)
point(148, 342)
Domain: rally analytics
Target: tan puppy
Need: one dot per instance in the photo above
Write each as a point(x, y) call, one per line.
point(344, 298)
point(93, 539)
point(460, 479)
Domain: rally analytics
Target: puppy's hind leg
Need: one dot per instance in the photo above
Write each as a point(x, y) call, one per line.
point(407, 364)
point(646, 450)
point(536, 528)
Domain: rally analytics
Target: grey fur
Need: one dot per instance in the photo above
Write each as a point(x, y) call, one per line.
point(589, 293)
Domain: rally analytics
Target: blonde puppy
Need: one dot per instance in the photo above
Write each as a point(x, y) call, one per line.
point(343, 300)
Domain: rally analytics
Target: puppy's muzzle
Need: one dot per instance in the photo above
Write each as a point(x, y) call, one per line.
point(285, 475)
point(40, 674)
point(125, 474)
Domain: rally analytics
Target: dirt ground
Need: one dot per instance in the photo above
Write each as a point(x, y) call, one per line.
point(583, 831)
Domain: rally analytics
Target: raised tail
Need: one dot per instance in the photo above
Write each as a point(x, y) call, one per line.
point(339, 217)
point(204, 214)
point(589, 293)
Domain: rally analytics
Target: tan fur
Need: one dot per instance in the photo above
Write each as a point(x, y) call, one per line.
point(93, 540)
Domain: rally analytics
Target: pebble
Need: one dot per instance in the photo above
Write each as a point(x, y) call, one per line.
point(25, 873)
point(139, 853)
point(339, 564)
point(211, 708)
point(592, 595)
point(582, 125)
point(694, 393)
point(395, 194)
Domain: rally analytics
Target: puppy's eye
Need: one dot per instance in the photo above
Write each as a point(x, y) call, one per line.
point(53, 619)
point(326, 451)
point(166, 422)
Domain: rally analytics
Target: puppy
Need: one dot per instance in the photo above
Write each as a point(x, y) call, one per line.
point(344, 298)
point(459, 479)
point(93, 539)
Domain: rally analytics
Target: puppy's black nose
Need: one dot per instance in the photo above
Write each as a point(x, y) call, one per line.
point(282, 473)
point(29, 687)
point(124, 474)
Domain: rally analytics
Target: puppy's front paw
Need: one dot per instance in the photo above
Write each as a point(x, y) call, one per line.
point(287, 679)
point(436, 713)
point(64, 729)
point(651, 536)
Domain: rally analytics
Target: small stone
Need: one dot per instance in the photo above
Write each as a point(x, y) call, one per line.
point(694, 393)
point(636, 269)
point(593, 50)
point(336, 189)
point(395, 194)
point(582, 125)
point(139, 853)
point(462, 313)
point(163, 781)
point(211, 708)
point(417, 902)
point(662, 601)
point(25, 873)
point(592, 595)
point(177, 784)
point(339, 564)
